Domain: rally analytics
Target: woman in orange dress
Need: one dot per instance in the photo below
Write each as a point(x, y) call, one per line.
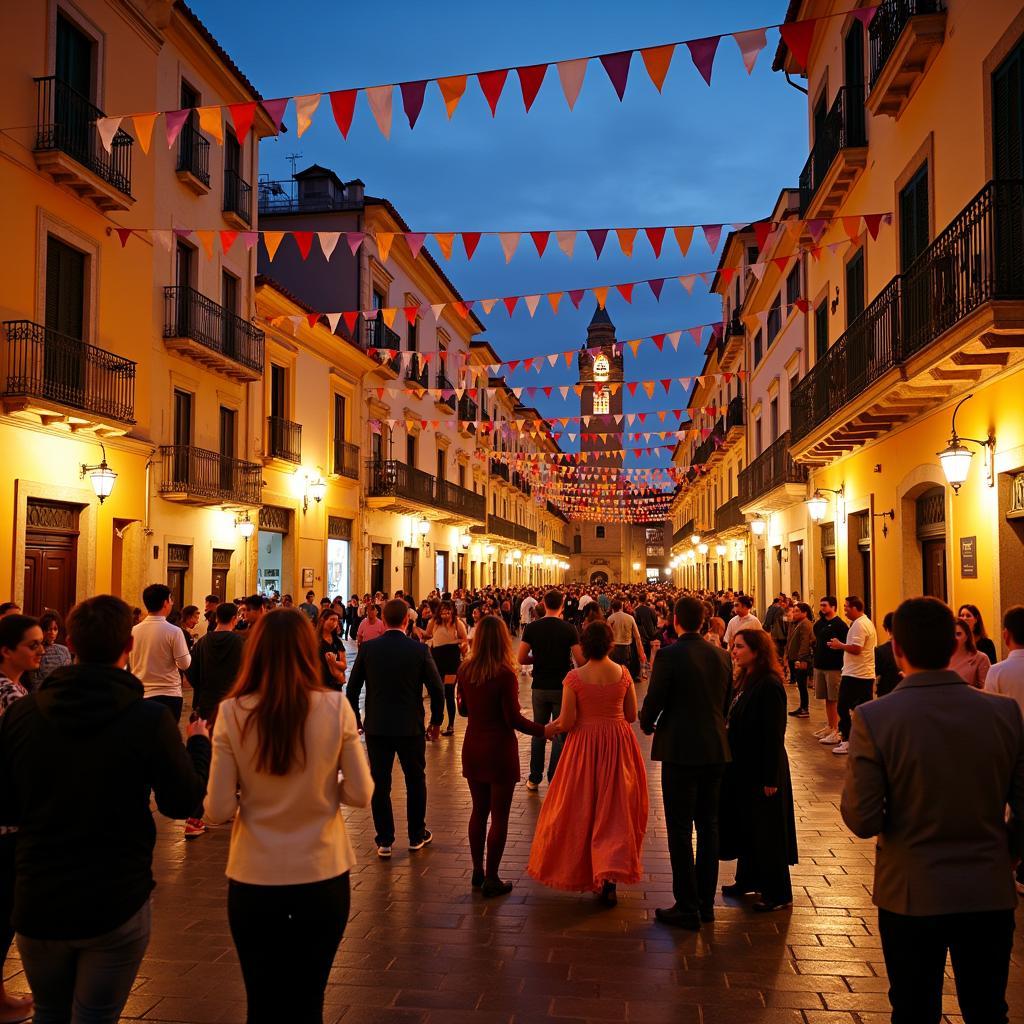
point(592, 824)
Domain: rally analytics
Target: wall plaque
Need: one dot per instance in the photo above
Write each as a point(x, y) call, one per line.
point(969, 558)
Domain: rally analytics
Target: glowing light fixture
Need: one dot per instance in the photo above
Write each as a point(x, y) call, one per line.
point(955, 458)
point(757, 526)
point(702, 548)
point(101, 476)
point(464, 541)
point(422, 527)
point(719, 550)
point(517, 555)
point(817, 504)
point(694, 539)
point(245, 526)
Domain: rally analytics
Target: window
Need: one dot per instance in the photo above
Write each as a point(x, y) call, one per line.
point(413, 337)
point(758, 346)
point(1008, 116)
point(229, 292)
point(65, 289)
point(793, 381)
point(773, 418)
point(462, 476)
point(182, 417)
point(775, 319)
point(232, 153)
point(821, 329)
point(442, 472)
point(184, 264)
point(376, 446)
point(442, 362)
point(752, 254)
point(855, 297)
point(74, 60)
point(599, 532)
point(602, 368)
point(340, 417)
point(410, 451)
point(227, 431)
point(278, 391)
point(914, 217)
point(601, 402)
point(793, 285)
point(758, 447)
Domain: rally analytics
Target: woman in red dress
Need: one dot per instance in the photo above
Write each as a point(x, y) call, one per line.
point(487, 690)
point(592, 824)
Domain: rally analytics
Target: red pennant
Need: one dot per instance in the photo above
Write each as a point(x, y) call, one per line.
point(626, 291)
point(540, 239)
point(656, 284)
point(412, 99)
point(872, 221)
point(631, 386)
point(656, 236)
point(491, 83)
point(510, 303)
point(762, 229)
point(350, 322)
point(470, 240)
point(802, 304)
point(411, 313)
point(312, 319)
point(462, 308)
point(597, 237)
point(659, 341)
point(242, 115)
point(227, 239)
point(304, 240)
point(530, 79)
point(576, 296)
point(798, 36)
point(512, 364)
point(343, 104)
point(123, 234)
point(702, 52)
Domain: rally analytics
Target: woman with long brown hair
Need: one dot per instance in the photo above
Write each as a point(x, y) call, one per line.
point(758, 825)
point(448, 642)
point(488, 695)
point(331, 649)
point(280, 741)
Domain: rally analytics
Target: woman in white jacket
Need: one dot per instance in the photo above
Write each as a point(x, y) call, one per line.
point(286, 754)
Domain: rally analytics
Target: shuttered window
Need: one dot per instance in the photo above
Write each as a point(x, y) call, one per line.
point(1008, 116)
point(855, 287)
point(821, 329)
point(65, 288)
point(914, 217)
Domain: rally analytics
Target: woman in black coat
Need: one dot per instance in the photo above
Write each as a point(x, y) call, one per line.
point(758, 826)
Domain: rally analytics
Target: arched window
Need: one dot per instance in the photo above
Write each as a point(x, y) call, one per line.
point(601, 402)
point(602, 368)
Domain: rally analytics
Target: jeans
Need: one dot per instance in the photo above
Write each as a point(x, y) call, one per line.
point(690, 794)
point(412, 755)
point(85, 981)
point(799, 676)
point(852, 691)
point(915, 948)
point(547, 706)
point(173, 704)
point(286, 937)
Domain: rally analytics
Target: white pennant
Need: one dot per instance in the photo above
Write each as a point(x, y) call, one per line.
point(333, 319)
point(107, 128)
point(328, 240)
point(305, 107)
point(379, 98)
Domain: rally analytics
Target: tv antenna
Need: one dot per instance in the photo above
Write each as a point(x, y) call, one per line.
point(293, 159)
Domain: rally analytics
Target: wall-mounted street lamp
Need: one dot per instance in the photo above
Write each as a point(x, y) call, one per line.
point(244, 525)
point(464, 541)
point(956, 457)
point(891, 514)
point(312, 487)
point(100, 475)
point(817, 504)
point(758, 526)
point(694, 539)
point(720, 550)
point(702, 548)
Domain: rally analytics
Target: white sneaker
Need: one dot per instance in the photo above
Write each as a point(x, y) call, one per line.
point(841, 748)
point(831, 739)
point(823, 731)
point(384, 852)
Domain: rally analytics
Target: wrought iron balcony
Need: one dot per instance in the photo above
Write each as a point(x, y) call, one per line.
point(707, 448)
point(66, 128)
point(404, 488)
point(511, 531)
point(377, 335)
point(838, 155)
point(199, 477)
point(684, 533)
point(735, 415)
point(284, 439)
point(906, 36)
point(773, 468)
point(460, 501)
point(346, 459)
point(499, 468)
point(468, 414)
point(61, 379)
point(237, 199)
point(444, 384)
point(193, 156)
point(199, 328)
point(418, 371)
point(558, 548)
point(284, 197)
point(519, 480)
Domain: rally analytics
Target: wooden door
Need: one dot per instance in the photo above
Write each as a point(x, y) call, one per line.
point(410, 564)
point(51, 557)
point(176, 581)
point(830, 576)
point(377, 569)
point(933, 557)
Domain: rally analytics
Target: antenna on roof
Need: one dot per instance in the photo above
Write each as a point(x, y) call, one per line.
point(293, 159)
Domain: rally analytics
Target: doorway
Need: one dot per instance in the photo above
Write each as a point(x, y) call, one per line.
point(410, 567)
point(269, 565)
point(51, 557)
point(931, 536)
point(179, 561)
point(377, 569)
point(219, 575)
point(441, 571)
point(599, 579)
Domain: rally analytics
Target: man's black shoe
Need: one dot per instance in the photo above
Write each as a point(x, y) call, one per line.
point(678, 919)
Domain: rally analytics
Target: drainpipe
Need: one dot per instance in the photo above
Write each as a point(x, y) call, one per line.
point(795, 85)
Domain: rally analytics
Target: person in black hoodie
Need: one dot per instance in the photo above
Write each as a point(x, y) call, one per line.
point(87, 749)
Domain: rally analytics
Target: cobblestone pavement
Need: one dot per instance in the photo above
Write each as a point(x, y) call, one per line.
point(421, 948)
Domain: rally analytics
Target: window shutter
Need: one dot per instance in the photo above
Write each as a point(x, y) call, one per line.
point(65, 288)
point(1008, 116)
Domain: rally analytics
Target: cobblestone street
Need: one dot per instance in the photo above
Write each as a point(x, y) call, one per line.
point(420, 948)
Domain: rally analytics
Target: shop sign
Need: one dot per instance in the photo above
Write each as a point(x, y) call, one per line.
point(969, 558)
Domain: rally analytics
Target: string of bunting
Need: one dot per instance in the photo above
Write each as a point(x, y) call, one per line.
point(797, 36)
point(566, 239)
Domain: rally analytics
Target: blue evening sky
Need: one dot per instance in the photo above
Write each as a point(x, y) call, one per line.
point(689, 155)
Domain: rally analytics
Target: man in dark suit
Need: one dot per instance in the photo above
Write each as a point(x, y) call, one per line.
point(933, 766)
point(395, 669)
point(685, 708)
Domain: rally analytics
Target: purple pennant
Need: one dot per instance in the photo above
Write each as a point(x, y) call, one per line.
point(816, 228)
point(702, 51)
point(182, 232)
point(576, 295)
point(597, 237)
point(656, 284)
point(616, 65)
point(173, 121)
point(276, 109)
point(412, 99)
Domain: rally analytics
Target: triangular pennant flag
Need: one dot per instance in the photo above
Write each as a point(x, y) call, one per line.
point(510, 303)
point(540, 240)
point(350, 318)
point(530, 79)
point(576, 296)
point(343, 105)
point(123, 235)
point(601, 294)
point(509, 242)
point(354, 239)
point(379, 97)
point(411, 313)
point(211, 121)
point(332, 320)
point(437, 308)
point(452, 91)
point(271, 241)
point(597, 237)
point(674, 337)
point(684, 236)
point(798, 36)
point(816, 228)
point(531, 303)
point(696, 333)
point(634, 346)
point(415, 240)
point(412, 99)
point(656, 284)
point(666, 384)
point(566, 242)
point(626, 236)
point(304, 240)
point(702, 52)
point(144, 129)
point(491, 84)
point(242, 115)
point(227, 239)
point(164, 238)
point(107, 128)
point(616, 66)
point(305, 108)
point(173, 120)
point(205, 239)
point(659, 341)
point(712, 234)
point(384, 240)
point(470, 240)
point(487, 305)
point(758, 270)
point(552, 359)
point(570, 74)
point(656, 236)
point(328, 241)
point(554, 298)
point(865, 15)
point(762, 229)
point(312, 319)
point(276, 109)
point(389, 317)
point(626, 291)
point(569, 356)
point(657, 60)
point(564, 391)
point(445, 240)
point(872, 221)
point(851, 225)
point(751, 44)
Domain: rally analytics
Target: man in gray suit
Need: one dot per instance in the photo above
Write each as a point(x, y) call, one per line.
point(933, 766)
point(685, 707)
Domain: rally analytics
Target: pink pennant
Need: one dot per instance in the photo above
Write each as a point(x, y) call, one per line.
point(702, 51)
point(712, 234)
point(412, 99)
point(816, 228)
point(530, 80)
point(597, 238)
point(380, 98)
point(491, 84)
point(571, 74)
point(173, 120)
point(415, 240)
point(354, 239)
point(276, 109)
point(751, 44)
point(865, 15)
point(616, 66)
point(343, 105)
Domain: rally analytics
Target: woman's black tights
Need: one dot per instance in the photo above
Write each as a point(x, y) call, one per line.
point(449, 703)
point(492, 799)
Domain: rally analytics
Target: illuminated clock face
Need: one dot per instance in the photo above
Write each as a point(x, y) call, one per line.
point(601, 368)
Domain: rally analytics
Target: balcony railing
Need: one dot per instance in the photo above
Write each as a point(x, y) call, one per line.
point(460, 500)
point(284, 439)
point(190, 314)
point(66, 121)
point(706, 448)
point(378, 335)
point(499, 468)
point(977, 259)
point(237, 196)
point(729, 516)
point(282, 197)
point(772, 468)
point(42, 364)
point(418, 371)
point(467, 408)
point(388, 478)
point(520, 481)
point(888, 24)
point(734, 414)
point(194, 152)
point(842, 128)
point(511, 531)
point(558, 548)
point(443, 383)
point(204, 476)
point(346, 459)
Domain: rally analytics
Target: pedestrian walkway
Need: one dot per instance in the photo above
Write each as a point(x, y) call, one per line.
point(421, 949)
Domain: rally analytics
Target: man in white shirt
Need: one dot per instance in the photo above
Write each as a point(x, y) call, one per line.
point(159, 653)
point(743, 618)
point(585, 599)
point(1007, 677)
point(526, 610)
point(858, 678)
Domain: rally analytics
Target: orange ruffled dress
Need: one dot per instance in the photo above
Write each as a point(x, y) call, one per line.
point(592, 824)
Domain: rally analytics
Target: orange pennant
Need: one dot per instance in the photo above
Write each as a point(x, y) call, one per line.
point(144, 130)
point(627, 236)
point(446, 241)
point(684, 236)
point(601, 294)
point(657, 60)
point(555, 298)
point(452, 91)
point(272, 241)
point(206, 241)
point(384, 240)
point(211, 121)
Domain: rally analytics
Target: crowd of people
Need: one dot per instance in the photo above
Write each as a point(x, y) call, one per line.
point(90, 730)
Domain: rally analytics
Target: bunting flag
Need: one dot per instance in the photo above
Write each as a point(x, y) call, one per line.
point(797, 36)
